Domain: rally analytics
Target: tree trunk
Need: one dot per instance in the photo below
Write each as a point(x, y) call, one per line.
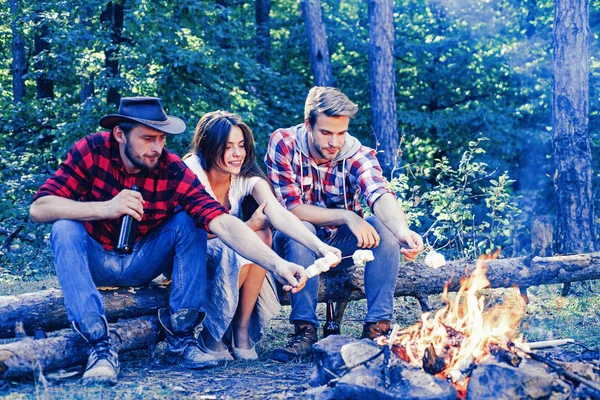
point(575, 225)
point(19, 65)
point(45, 309)
point(86, 15)
point(263, 32)
point(320, 60)
point(113, 15)
point(45, 86)
point(29, 357)
point(382, 81)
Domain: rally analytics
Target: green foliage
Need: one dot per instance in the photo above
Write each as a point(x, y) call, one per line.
point(464, 71)
point(468, 212)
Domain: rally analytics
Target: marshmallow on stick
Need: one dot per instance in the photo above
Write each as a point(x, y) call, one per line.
point(360, 257)
point(322, 264)
point(435, 259)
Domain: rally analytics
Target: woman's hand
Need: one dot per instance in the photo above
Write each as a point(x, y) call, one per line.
point(324, 249)
point(259, 219)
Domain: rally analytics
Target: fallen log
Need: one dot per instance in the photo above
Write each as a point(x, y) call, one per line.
point(29, 357)
point(45, 310)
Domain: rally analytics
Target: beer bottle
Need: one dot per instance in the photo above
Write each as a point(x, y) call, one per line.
point(129, 227)
point(331, 327)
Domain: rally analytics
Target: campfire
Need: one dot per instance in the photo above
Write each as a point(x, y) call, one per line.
point(466, 349)
point(448, 343)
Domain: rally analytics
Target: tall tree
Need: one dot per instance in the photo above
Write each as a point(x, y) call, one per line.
point(320, 60)
point(113, 16)
point(19, 64)
point(86, 11)
point(382, 80)
point(263, 32)
point(575, 225)
point(45, 85)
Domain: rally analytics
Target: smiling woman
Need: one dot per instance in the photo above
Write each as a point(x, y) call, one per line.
point(222, 156)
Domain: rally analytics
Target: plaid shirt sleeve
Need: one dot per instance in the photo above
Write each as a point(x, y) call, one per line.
point(279, 162)
point(196, 201)
point(71, 180)
point(369, 176)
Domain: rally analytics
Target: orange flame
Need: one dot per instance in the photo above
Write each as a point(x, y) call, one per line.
point(462, 332)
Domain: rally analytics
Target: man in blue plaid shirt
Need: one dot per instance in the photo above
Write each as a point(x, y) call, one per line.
point(319, 171)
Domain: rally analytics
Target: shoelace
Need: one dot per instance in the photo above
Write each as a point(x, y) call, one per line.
point(102, 351)
point(297, 337)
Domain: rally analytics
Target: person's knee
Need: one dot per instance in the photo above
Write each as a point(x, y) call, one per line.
point(67, 232)
point(185, 225)
point(388, 242)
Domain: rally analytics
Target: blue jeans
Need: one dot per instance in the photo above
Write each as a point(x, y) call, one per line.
point(82, 264)
point(380, 274)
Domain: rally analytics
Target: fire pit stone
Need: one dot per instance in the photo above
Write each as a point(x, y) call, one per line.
point(531, 380)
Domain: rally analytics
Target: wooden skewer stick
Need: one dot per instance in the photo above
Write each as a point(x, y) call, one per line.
point(549, 343)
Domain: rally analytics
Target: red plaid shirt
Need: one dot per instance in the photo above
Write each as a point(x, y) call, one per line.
point(297, 179)
point(94, 171)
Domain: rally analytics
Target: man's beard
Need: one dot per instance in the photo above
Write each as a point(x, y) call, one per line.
point(136, 163)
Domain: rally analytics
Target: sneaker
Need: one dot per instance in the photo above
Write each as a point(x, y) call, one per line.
point(182, 345)
point(103, 365)
point(103, 361)
point(373, 330)
point(300, 344)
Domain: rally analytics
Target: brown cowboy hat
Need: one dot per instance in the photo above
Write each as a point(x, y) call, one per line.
point(146, 111)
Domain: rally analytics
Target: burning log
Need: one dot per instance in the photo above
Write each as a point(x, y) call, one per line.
point(506, 356)
point(432, 363)
point(28, 357)
point(45, 310)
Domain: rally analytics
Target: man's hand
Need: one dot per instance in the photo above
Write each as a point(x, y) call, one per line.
point(127, 202)
point(365, 233)
point(292, 276)
point(259, 220)
point(411, 244)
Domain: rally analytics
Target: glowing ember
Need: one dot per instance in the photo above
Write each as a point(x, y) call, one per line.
point(462, 333)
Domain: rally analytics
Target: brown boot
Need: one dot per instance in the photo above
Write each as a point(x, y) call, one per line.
point(372, 330)
point(300, 344)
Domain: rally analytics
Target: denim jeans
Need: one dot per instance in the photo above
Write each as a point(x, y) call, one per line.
point(82, 264)
point(380, 274)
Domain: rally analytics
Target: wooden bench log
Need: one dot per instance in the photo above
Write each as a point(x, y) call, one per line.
point(45, 310)
point(29, 357)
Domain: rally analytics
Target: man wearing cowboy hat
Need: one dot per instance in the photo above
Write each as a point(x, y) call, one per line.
point(88, 195)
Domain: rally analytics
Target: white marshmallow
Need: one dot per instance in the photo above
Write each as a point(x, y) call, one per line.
point(331, 258)
point(312, 271)
point(360, 257)
point(435, 259)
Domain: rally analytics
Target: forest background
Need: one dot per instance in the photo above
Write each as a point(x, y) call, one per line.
point(472, 81)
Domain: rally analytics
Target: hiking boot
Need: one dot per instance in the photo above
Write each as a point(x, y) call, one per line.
point(103, 361)
point(373, 330)
point(182, 345)
point(300, 344)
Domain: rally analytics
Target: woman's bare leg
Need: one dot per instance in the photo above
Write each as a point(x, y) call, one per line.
point(250, 284)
